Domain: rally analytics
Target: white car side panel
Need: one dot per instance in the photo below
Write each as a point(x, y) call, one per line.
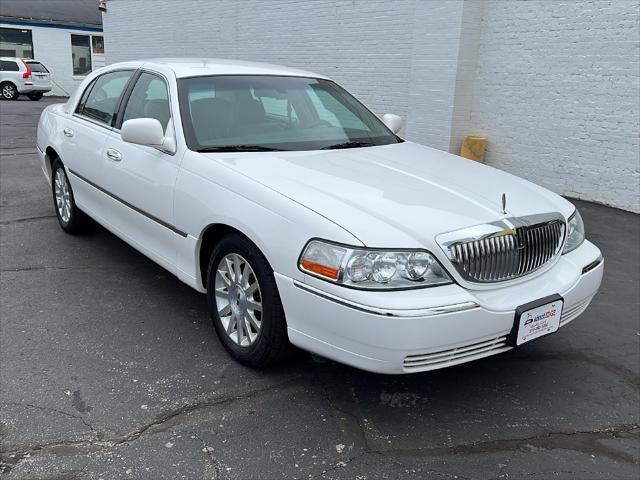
point(105, 203)
point(82, 154)
point(144, 178)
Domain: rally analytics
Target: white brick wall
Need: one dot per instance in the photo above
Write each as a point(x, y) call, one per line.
point(397, 57)
point(52, 46)
point(553, 85)
point(557, 94)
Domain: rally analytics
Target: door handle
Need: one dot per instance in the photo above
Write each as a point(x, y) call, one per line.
point(68, 132)
point(114, 155)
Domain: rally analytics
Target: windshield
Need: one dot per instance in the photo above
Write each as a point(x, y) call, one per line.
point(265, 113)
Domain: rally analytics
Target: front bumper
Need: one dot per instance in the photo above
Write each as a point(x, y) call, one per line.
point(419, 330)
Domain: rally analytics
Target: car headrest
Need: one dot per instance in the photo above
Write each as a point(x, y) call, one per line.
point(211, 117)
point(158, 109)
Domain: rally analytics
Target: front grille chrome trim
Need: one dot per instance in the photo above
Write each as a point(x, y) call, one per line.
point(507, 249)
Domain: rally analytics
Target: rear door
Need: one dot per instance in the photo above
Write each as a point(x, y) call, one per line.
point(40, 76)
point(10, 71)
point(83, 136)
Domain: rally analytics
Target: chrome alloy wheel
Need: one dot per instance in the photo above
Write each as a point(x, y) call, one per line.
point(63, 195)
point(238, 299)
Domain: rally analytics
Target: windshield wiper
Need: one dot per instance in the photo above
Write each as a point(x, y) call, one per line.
point(348, 145)
point(240, 148)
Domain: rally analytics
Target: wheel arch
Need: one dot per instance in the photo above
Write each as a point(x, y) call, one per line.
point(51, 156)
point(210, 236)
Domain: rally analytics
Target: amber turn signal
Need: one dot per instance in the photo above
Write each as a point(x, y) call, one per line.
point(319, 269)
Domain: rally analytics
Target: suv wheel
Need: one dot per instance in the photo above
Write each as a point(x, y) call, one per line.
point(8, 91)
point(244, 303)
point(35, 96)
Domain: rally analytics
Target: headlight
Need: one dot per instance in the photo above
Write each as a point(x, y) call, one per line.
point(575, 233)
point(372, 268)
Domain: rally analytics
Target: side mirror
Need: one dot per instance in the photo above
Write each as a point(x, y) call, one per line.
point(394, 122)
point(143, 131)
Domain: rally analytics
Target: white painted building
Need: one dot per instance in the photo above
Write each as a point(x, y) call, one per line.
point(65, 35)
point(554, 86)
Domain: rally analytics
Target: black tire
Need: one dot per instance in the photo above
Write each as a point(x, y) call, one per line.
point(272, 343)
point(76, 222)
point(35, 96)
point(8, 91)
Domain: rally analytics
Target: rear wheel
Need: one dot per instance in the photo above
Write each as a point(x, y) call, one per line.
point(8, 91)
point(244, 303)
point(70, 218)
point(35, 96)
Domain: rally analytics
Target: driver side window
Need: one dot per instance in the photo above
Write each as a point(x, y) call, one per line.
point(100, 102)
point(149, 99)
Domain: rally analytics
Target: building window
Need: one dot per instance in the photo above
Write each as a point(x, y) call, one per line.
point(81, 54)
point(97, 44)
point(16, 42)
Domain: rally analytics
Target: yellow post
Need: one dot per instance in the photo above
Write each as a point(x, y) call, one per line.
point(473, 148)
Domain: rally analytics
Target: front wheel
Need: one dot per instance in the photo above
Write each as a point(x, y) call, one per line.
point(35, 96)
point(70, 218)
point(244, 303)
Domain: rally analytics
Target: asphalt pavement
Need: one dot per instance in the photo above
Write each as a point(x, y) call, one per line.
point(110, 368)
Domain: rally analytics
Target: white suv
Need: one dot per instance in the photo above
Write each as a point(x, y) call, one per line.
point(23, 77)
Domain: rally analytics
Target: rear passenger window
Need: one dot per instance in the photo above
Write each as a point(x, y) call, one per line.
point(103, 96)
point(83, 99)
point(149, 99)
point(9, 66)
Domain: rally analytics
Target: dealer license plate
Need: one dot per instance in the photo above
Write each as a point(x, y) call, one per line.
point(537, 319)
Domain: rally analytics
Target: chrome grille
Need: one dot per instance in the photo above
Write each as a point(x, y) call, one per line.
point(508, 254)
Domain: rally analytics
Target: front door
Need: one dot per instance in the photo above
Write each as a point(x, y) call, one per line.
point(143, 177)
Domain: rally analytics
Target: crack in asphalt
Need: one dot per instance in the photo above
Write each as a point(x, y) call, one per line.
point(341, 464)
point(625, 374)
point(39, 268)
point(25, 219)
point(209, 453)
point(15, 454)
point(55, 410)
point(347, 407)
point(586, 441)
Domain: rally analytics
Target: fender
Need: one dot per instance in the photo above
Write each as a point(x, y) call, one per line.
point(200, 203)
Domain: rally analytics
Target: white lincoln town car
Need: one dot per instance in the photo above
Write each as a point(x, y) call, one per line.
point(307, 220)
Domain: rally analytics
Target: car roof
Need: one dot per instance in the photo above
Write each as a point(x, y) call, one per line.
point(193, 67)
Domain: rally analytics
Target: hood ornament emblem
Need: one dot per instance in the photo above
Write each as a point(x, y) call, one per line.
point(504, 203)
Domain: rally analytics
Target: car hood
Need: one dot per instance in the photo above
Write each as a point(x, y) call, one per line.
point(400, 195)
